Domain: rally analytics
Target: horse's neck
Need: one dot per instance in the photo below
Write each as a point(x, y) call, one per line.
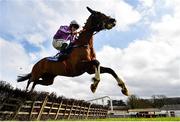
point(85, 38)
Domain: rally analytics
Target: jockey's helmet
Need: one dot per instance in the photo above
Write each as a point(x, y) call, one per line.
point(74, 24)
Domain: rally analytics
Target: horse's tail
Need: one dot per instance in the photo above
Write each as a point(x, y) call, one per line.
point(23, 78)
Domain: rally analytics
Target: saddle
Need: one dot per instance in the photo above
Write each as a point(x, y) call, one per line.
point(61, 56)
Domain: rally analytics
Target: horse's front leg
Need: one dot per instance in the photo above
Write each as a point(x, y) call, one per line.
point(120, 81)
point(94, 67)
point(96, 63)
point(95, 79)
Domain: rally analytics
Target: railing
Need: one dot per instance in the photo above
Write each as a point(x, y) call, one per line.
point(102, 98)
point(15, 109)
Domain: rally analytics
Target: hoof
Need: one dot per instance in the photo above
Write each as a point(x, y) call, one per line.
point(94, 84)
point(95, 80)
point(124, 89)
point(125, 92)
point(93, 88)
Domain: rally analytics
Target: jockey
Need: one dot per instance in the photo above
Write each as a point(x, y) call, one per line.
point(64, 36)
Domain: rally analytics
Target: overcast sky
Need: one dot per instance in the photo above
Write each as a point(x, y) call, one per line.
point(143, 48)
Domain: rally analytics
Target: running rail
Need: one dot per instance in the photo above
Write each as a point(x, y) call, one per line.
point(102, 99)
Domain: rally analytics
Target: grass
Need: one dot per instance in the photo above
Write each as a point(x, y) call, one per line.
point(141, 119)
point(125, 119)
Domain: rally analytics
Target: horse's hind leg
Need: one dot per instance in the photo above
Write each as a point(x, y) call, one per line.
point(44, 81)
point(34, 84)
point(120, 82)
point(28, 83)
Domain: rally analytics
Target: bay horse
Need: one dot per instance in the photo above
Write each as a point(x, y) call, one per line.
point(82, 58)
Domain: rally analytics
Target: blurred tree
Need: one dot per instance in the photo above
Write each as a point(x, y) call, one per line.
point(132, 101)
point(158, 101)
point(117, 103)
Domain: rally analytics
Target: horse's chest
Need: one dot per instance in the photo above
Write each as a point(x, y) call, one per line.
point(86, 55)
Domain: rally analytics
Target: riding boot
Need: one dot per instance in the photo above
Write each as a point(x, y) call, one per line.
point(62, 55)
point(64, 46)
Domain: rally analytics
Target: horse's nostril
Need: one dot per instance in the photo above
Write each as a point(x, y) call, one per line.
point(112, 20)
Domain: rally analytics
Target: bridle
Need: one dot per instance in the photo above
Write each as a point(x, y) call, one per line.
point(97, 28)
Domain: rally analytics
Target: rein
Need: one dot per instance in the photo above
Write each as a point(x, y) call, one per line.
point(78, 46)
point(92, 28)
point(86, 45)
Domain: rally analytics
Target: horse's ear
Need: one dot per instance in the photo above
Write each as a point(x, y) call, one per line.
point(90, 10)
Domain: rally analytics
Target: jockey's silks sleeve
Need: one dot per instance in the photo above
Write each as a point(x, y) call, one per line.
point(64, 32)
point(65, 29)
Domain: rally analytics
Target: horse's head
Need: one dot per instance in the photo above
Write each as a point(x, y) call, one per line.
point(100, 21)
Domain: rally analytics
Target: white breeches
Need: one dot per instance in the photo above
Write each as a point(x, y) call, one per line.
point(57, 43)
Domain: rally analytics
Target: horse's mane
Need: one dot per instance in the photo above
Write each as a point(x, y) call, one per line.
point(85, 28)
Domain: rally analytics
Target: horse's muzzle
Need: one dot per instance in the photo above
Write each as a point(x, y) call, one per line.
point(111, 23)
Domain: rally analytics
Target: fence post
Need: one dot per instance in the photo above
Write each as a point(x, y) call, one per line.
point(97, 112)
point(18, 109)
point(71, 109)
point(32, 108)
point(101, 113)
point(94, 112)
point(88, 110)
point(58, 110)
point(80, 109)
point(77, 106)
point(42, 108)
point(84, 110)
point(67, 101)
point(3, 101)
point(105, 112)
point(50, 109)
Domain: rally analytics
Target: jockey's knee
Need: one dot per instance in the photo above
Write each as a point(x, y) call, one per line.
point(64, 46)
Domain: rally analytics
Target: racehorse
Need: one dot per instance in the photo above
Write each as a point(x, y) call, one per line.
point(82, 58)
